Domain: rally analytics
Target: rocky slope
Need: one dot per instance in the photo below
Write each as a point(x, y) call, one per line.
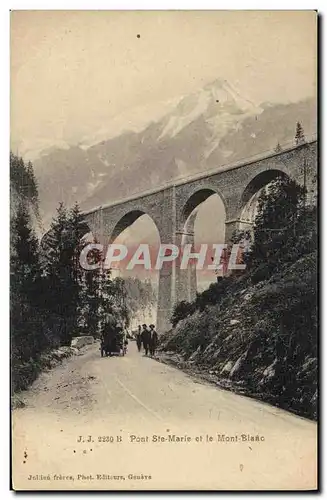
point(242, 344)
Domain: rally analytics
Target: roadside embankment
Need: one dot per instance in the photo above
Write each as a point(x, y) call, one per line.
point(26, 373)
point(259, 340)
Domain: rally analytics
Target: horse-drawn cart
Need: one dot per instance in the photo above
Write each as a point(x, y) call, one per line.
point(113, 341)
point(111, 347)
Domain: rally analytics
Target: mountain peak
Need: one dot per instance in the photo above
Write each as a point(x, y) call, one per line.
point(218, 83)
point(216, 99)
point(224, 92)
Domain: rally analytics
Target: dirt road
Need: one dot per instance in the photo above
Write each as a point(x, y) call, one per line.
point(134, 423)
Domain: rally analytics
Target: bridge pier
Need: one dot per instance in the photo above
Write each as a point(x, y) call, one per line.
point(231, 227)
point(166, 225)
point(164, 307)
point(186, 284)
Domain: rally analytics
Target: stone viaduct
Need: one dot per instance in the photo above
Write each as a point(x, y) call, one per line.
point(173, 210)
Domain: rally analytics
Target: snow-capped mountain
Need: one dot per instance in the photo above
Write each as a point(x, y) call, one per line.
point(206, 129)
point(218, 103)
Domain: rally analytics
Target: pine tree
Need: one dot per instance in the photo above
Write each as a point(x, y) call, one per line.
point(32, 190)
point(299, 135)
point(23, 182)
point(24, 254)
point(61, 276)
point(18, 175)
point(91, 296)
point(275, 225)
point(76, 229)
point(27, 334)
point(110, 297)
point(278, 148)
point(121, 301)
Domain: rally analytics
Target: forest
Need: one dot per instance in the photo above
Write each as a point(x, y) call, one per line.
point(52, 298)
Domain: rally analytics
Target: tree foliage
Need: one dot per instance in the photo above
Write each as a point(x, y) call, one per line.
point(53, 298)
point(299, 135)
point(278, 148)
point(23, 184)
point(27, 338)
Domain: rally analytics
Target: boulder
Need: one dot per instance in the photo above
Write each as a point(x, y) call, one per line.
point(79, 342)
point(227, 368)
point(247, 296)
point(237, 365)
point(270, 370)
point(234, 321)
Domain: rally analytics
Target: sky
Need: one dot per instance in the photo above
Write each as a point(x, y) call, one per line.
point(81, 76)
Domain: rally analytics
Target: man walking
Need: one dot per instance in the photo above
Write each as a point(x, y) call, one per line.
point(146, 339)
point(139, 339)
point(153, 340)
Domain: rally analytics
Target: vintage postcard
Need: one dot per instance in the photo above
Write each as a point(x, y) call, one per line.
point(163, 181)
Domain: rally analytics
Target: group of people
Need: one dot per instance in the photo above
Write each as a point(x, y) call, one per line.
point(147, 337)
point(113, 339)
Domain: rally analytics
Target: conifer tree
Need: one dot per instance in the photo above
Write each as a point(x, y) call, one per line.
point(27, 334)
point(76, 230)
point(299, 135)
point(91, 296)
point(23, 181)
point(278, 148)
point(32, 190)
point(275, 225)
point(60, 275)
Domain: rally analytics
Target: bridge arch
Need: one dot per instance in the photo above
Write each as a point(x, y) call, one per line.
point(196, 197)
point(260, 181)
point(125, 217)
point(128, 218)
point(125, 222)
point(131, 227)
point(250, 196)
point(202, 219)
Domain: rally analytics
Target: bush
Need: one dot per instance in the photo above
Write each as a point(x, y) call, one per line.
point(181, 311)
point(24, 374)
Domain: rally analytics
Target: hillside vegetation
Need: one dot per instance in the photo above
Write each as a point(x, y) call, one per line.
point(256, 333)
point(52, 297)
